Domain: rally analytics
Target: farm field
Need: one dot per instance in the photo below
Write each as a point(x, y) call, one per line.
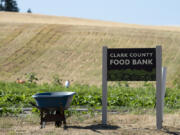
point(14, 97)
point(72, 47)
point(47, 50)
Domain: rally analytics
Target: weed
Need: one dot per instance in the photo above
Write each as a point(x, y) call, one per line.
point(31, 77)
point(57, 80)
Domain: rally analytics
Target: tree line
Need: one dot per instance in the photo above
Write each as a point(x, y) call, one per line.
point(9, 5)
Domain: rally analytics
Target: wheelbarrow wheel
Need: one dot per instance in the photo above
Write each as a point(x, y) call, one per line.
point(58, 123)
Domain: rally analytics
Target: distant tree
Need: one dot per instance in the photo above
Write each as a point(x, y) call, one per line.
point(29, 11)
point(9, 5)
point(2, 5)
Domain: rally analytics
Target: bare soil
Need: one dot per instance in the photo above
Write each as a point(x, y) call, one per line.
point(118, 124)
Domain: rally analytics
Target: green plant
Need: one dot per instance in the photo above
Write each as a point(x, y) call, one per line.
point(176, 81)
point(35, 110)
point(118, 84)
point(126, 84)
point(31, 77)
point(57, 80)
point(17, 96)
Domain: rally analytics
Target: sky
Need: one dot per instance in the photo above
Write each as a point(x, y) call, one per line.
point(143, 12)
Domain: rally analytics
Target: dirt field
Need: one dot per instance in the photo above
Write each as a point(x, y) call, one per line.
point(118, 124)
point(31, 43)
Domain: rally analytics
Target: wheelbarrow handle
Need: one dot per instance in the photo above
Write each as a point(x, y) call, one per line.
point(33, 104)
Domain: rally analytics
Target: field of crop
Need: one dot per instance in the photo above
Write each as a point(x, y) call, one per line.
point(72, 47)
point(14, 97)
point(134, 107)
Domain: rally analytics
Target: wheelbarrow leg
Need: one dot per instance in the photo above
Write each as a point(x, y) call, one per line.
point(60, 113)
point(59, 122)
point(64, 122)
point(42, 122)
point(63, 117)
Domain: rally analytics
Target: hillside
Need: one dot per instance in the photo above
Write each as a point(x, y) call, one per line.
point(71, 47)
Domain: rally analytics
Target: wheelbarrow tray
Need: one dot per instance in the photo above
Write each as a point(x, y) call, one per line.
point(50, 100)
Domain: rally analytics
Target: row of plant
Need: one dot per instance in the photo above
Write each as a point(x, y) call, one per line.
point(14, 95)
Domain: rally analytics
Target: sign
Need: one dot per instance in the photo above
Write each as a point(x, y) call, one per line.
point(131, 64)
point(134, 64)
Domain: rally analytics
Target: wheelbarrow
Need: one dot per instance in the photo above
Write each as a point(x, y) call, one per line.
point(52, 106)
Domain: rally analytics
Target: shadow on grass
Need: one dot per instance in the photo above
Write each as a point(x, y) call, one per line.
point(171, 130)
point(95, 127)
